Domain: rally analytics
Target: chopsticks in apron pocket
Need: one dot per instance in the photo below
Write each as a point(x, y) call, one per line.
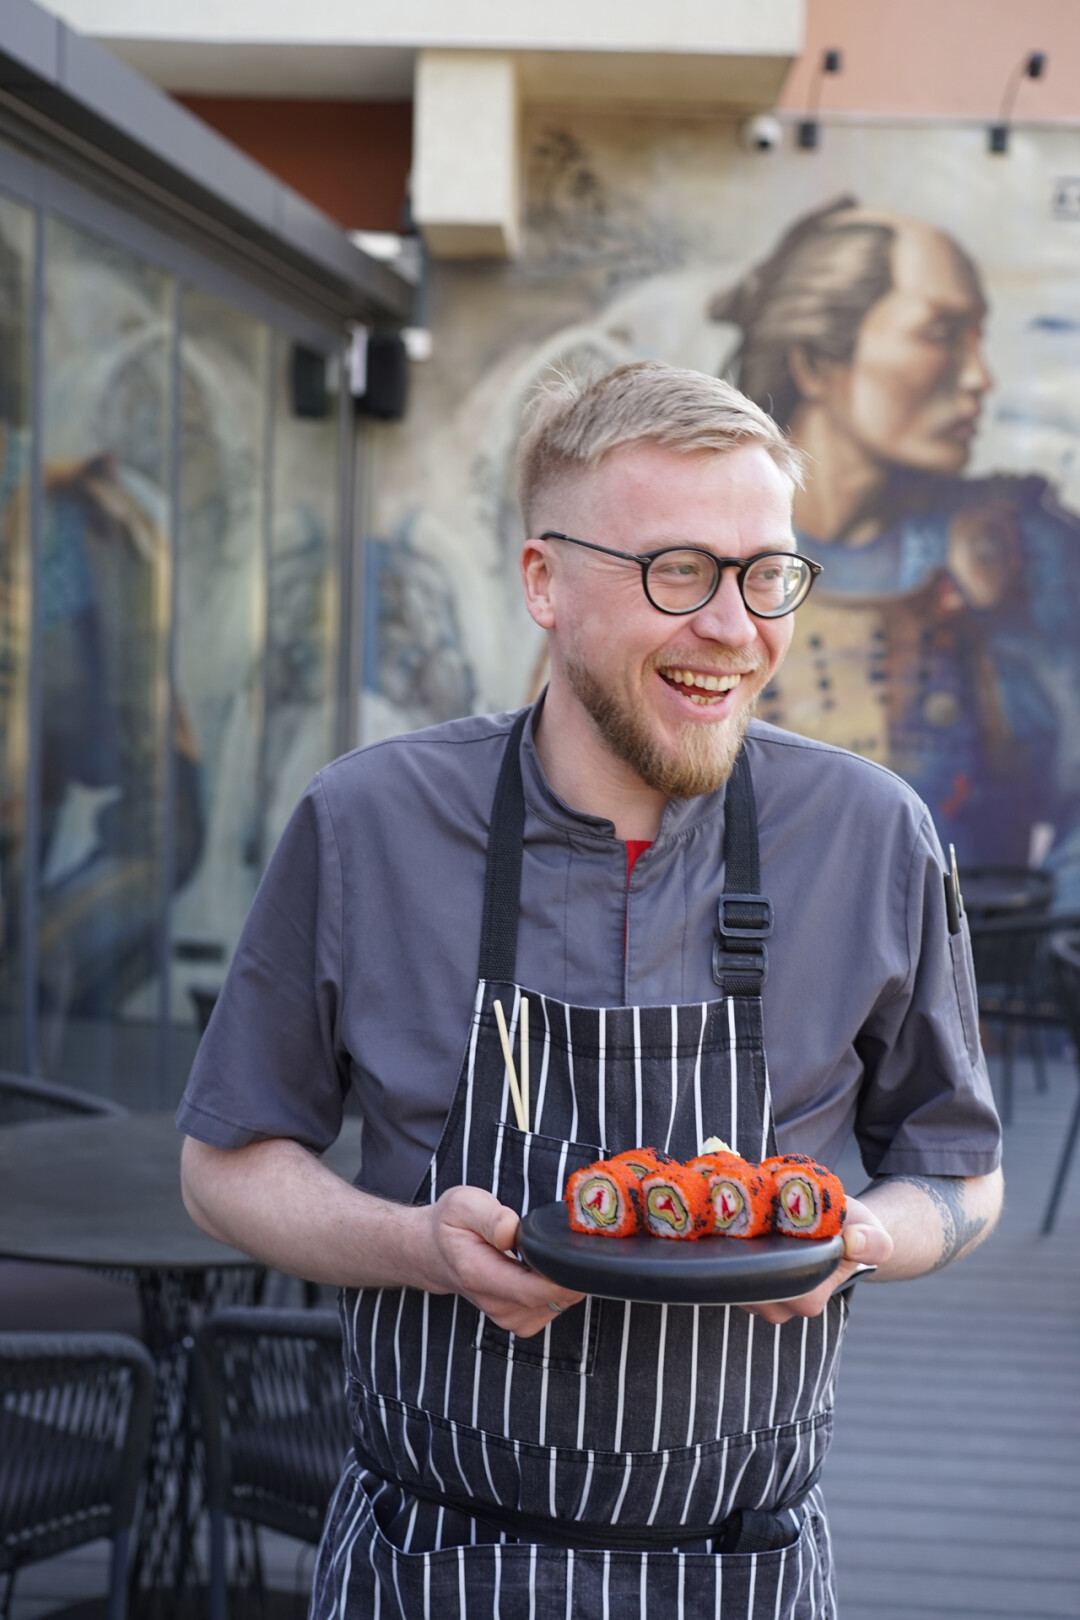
point(519, 1094)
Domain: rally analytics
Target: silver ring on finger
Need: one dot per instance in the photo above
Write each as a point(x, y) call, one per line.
point(556, 1310)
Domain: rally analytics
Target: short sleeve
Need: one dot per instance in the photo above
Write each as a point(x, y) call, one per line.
point(926, 1106)
point(267, 1065)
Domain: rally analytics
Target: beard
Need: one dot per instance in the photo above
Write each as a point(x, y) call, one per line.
point(703, 759)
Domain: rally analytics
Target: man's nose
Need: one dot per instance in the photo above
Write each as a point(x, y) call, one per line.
point(725, 617)
point(975, 376)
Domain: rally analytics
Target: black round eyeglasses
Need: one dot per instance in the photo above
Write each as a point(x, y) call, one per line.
point(682, 579)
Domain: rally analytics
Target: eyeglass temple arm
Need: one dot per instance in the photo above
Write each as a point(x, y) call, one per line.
point(590, 545)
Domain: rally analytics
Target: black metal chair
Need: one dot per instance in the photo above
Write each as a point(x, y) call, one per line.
point(1017, 988)
point(74, 1423)
point(275, 1426)
point(1065, 958)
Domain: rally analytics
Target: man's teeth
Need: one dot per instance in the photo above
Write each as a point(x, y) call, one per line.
point(705, 683)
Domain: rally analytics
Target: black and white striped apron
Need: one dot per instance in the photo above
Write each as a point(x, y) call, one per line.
point(638, 1430)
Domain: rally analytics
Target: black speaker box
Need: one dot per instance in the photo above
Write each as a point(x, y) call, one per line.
point(387, 378)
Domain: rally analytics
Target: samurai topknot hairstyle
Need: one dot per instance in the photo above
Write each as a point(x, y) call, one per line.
point(571, 422)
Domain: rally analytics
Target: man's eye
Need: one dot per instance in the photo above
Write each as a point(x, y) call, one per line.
point(676, 570)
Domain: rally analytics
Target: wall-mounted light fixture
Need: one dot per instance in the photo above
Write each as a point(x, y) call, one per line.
point(832, 61)
point(1032, 66)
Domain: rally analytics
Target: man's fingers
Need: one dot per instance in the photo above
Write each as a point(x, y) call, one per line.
point(865, 1238)
point(476, 1233)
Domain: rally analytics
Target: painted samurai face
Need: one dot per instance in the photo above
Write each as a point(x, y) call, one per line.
point(912, 392)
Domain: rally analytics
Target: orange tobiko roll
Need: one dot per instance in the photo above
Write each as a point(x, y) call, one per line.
point(644, 1161)
point(604, 1199)
point(808, 1200)
point(740, 1197)
point(675, 1203)
point(706, 1163)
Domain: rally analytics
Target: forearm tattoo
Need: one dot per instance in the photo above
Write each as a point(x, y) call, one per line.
point(946, 1193)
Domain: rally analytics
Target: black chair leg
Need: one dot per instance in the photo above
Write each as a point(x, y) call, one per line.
point(1037, 1035)
point(218, 1602)
point(116, 1608)
point(1062, 1170)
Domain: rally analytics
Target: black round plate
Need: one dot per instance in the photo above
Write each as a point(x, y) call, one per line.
point(664, 1271)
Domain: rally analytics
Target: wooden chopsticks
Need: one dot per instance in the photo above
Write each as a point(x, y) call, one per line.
point(519, 1093)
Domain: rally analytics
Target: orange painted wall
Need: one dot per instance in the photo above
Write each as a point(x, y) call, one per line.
point(350, 158)
point(940, 58)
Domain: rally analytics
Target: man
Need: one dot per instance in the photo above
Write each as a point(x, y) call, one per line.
point(943, 643)
point(521, 1450)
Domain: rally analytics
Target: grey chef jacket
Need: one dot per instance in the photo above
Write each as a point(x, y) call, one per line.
point(358, 963)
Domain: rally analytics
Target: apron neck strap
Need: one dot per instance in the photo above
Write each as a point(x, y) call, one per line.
point(744, 918)
point(502, 883)
point(740, 962)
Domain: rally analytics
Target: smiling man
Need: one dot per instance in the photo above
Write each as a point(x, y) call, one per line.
point(673, 887)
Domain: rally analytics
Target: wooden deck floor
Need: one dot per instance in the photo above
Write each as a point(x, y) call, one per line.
point(954, 1481)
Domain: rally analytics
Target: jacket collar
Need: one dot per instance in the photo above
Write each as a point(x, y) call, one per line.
point(680, 815)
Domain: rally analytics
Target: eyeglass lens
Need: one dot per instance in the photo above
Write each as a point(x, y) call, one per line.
point(680, 581)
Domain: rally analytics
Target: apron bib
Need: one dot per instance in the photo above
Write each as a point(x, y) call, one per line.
point(606, 1463)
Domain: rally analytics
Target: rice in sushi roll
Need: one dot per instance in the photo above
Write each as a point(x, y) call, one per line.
point(675, 1203)
point(740, 1196)
point(604, 1199)
point(808, 1200)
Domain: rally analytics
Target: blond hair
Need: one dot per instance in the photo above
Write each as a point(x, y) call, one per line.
point(570, 423)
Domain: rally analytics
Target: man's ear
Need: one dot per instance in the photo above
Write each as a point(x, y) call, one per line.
point(537, 576)
point(809, 371)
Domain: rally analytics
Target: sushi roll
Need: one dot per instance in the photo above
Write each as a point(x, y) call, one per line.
point(675, 1203)
point(740, 1196)
point(644, 1161)
point(808, 1200)
point(604, 1199)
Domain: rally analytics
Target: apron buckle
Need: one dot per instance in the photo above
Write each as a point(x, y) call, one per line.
point(740, 961)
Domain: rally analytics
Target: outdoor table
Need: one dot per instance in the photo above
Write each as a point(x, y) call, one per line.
point(1004, 892)
point(105, 1192)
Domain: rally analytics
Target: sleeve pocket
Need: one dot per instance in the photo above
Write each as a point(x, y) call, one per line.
point(966, 995)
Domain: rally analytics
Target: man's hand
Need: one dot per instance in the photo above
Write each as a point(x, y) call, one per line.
point(906, 1225)
point(470, 1234)
point(867, 1242)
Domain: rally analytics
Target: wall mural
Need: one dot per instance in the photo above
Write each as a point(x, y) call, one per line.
point(909, 308)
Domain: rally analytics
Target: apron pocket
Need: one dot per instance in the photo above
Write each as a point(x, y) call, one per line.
point(361, 1566)
point(530, 1169)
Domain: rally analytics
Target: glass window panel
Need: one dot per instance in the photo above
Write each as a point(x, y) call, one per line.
point(304, 594)
point(103, 618)
point(220, 584)
point(16, 292)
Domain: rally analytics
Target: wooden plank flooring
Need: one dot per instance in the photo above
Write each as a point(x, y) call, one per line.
point(954, 1481)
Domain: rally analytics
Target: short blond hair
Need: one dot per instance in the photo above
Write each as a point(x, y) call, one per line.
point(570, 423)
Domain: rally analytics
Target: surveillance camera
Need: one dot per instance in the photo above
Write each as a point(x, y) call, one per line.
point(761, 133)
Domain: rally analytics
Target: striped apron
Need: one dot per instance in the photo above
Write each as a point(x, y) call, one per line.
point(633, 1460)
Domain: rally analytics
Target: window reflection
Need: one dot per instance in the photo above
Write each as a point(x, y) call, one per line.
point(304, 604)
point(103, 622)
point(180, 710)
point(16, 281)
point(221, 594)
